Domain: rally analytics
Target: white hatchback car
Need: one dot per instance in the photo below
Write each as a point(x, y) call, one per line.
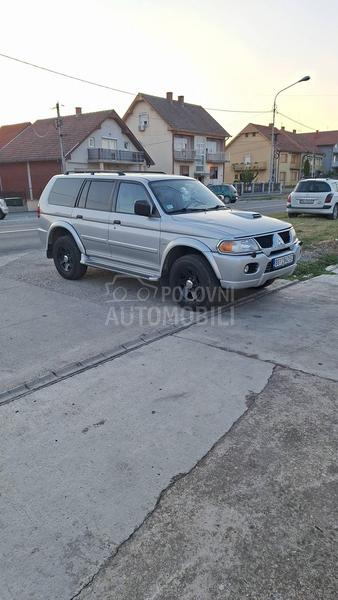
point(3, 208)
point(315, 197)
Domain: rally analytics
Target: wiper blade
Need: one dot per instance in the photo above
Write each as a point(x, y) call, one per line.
point(217, 207)
point(187, 209)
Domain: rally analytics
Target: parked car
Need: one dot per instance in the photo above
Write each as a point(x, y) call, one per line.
point(3, 208)
point(226, 190)
point(161, 227)
point(315, 197)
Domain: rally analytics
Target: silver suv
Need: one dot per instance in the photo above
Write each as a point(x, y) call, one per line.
point(161, 227)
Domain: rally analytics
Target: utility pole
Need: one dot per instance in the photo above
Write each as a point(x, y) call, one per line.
point(272, 157)
point(59, 128)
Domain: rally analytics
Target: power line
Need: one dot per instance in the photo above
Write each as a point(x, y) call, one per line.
point(107, 87)
point(298, 122)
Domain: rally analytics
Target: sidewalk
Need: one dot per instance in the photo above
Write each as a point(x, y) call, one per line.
point(200, 466)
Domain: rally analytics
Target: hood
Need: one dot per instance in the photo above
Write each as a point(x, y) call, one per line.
point(228, 224)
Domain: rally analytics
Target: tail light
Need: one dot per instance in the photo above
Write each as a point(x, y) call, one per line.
point(38, 212)
point(288, 202)
point(328, 198)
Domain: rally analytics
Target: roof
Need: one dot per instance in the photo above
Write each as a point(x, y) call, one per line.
point(182, 116)
point(286, 141)
point(321, 138)
point(40, 141)
point(9, 132)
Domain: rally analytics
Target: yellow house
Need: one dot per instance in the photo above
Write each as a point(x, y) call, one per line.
point(250, 150)
point(182, 138)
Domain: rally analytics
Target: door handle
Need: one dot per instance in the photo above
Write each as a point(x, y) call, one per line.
point(116, 222)
point(79, 216)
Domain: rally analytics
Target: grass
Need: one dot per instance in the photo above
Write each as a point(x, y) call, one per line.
point(320, 244)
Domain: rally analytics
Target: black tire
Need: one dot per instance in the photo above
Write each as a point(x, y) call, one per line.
point(66, 256)
point(293, 215)
point(226, 199)
point(266, 284)
point(334, 215)
point(193, 283)
point(2, 215)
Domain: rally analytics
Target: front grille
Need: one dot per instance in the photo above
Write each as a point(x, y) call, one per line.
point(266, 241)
point(268, 267)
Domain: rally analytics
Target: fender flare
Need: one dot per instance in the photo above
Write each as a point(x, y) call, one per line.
point(72, 231)
point(196, 245)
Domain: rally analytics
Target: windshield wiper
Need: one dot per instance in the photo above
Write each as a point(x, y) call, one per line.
point(217, 207)
point(186, 209)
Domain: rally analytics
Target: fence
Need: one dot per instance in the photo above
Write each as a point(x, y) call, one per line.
point(258, 188)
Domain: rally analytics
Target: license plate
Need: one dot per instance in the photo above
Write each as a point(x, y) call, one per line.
point(282, 261)
point(306, 201)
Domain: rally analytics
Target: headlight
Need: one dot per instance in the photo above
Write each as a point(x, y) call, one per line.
point(293, 235)
point(238, 246)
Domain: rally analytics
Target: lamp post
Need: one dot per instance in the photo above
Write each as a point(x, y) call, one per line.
point(272, 158)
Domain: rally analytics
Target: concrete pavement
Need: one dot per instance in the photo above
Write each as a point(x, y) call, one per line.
point(236, 419)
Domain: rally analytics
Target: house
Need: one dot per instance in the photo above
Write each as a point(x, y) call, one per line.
point(91, 141)
point(182, 138)
point(9, 132)
point(250, 151)
point(327, 142)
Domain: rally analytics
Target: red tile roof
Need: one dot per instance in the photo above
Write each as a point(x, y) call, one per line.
point(40, 141)
point(321, 138)
point(286, 141)
point(9, 132)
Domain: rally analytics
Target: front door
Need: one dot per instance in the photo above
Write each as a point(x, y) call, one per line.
point(134, 239)
point(92, 215)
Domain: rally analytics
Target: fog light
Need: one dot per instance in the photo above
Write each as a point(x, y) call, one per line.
point(246, 269)
point(251, 268)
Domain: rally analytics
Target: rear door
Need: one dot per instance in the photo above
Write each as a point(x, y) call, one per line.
point(92, 215)
point(310, 194)
point(134, 239)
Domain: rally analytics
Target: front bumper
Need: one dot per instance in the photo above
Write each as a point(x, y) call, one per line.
point(232, 274)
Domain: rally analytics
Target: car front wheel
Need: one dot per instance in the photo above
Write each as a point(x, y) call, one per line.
point(193, 282)
point(66, 256)
point(2, 214)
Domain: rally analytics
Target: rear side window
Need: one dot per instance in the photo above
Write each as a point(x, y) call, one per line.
point(99, 195)
point(313, 186)
point(65, 191)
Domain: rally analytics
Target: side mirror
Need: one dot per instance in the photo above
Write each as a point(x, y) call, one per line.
point(143, 208)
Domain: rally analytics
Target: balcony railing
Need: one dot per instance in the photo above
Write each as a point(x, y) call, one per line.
point(120, 156)
point(185, 155)
point(215, 157)
point(253, 166)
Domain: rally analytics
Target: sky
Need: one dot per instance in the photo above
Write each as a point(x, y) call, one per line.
point(221, 54)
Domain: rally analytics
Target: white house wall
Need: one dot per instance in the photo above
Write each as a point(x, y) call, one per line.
point(156, 138)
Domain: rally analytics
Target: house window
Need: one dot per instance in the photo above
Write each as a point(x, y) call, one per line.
point(143, 121)
point(126, 145)
point(184, 170)
point(213, 172)
point(294, 159)
point(283, 157)
point(247, 159)
point(109, 143)
point(294, 176)
point(91, 142)
point(282, 177)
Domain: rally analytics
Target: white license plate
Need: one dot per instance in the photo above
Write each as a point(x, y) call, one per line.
point(306, 201)
point(282, 261)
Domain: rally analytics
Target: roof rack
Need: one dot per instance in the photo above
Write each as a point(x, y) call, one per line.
point(115, 172)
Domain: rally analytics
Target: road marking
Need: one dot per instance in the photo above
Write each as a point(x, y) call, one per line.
point(18, 230)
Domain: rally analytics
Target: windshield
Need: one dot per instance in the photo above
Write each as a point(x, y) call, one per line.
point(313, 186)
point(179, 195)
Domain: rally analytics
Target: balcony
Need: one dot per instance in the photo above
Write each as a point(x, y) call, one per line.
point(115, 156)
point(254, 166)
point(215, 157)
point(185, 155)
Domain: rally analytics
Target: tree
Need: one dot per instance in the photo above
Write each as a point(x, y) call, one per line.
point(248, 175)
point(306, 168)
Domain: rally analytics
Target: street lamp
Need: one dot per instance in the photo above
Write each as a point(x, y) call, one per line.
point(272, 158)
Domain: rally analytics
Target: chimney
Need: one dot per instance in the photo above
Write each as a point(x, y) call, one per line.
point(294, 131)
point(78, 110)
point(170, 96)
point(180, 99)
point(282, 128)
point(317, 130)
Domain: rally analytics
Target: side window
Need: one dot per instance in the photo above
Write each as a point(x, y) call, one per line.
point(127, 196)
point(64, 191)
point(99, 195)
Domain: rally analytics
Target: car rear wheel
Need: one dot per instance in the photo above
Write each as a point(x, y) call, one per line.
point(193, 282)
point(334, 214)
point(2, 214)
point(66, 256)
